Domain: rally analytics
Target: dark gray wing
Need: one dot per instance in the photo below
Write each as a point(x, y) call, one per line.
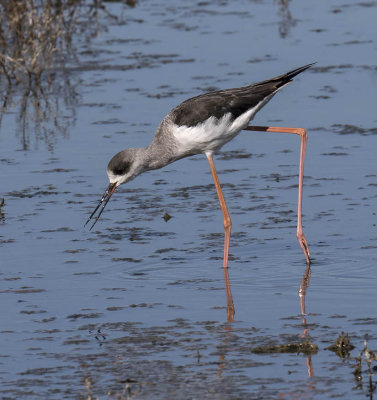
point(235, 101)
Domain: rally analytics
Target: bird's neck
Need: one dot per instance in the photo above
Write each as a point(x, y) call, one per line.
point(162, 150)
point(152, 157)
point(157, 156)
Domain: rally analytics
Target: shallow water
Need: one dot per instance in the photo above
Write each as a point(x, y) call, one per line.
point(137, 308)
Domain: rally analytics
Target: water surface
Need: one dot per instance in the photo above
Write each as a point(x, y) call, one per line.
point(137, 308)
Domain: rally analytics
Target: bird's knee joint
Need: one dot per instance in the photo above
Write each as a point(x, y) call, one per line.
point(227, 223)
point(302, 133)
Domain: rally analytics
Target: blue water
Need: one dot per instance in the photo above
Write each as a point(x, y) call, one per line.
point(137, 307)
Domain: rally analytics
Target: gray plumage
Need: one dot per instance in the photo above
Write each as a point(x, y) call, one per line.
point(201, 124)
point(191, 113)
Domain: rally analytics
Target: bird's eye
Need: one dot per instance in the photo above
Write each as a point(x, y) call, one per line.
point(122, 169)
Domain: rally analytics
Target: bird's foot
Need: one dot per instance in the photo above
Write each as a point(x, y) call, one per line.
point(304, 246)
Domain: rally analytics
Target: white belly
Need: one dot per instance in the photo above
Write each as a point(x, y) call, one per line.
point(211, 134)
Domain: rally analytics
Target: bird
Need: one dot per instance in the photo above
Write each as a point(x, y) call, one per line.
point(202, 125)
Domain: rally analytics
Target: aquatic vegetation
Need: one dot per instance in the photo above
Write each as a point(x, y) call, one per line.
point(35, 36)
point(342, 345)
point(38, 51)
point(305, 347)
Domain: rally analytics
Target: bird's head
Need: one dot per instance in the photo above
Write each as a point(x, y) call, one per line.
point(122, 168)
point(125, 166)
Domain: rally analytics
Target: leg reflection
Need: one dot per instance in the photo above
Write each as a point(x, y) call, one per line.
point(229, 298)
point(302, 293)
point(229, 317)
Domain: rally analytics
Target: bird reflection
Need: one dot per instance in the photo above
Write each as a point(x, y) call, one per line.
point(303, 393)
point(230, 311)
point(302, 294)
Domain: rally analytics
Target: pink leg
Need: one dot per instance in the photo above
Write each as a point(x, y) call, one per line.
point(304, 137)
point(224, 209)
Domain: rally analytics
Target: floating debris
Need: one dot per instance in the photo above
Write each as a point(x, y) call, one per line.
point(166, 217)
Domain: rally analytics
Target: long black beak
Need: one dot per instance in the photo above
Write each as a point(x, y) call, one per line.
point(105, 199)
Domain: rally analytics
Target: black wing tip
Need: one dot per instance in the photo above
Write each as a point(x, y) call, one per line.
point(291, 74)
point(282, 80)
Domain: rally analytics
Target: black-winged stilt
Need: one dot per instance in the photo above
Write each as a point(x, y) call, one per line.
point(203, 124)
